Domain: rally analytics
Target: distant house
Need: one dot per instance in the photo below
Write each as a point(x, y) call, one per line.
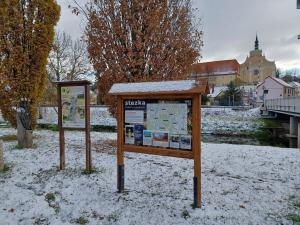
point(218, 73)
point(215, 93)
point(272, 88)
point(296, 85)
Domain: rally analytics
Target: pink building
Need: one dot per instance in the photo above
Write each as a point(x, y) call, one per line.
point(273, 88)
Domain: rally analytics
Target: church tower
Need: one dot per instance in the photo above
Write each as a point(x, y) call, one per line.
point(256, 67)
point(256, 45)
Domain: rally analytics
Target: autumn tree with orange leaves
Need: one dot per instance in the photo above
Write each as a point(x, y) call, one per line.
point(26, 36)
point(140, 40)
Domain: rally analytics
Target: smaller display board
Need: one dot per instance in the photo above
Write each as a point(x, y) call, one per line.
point(158, 123)
point(73, 107)
point(74, 112)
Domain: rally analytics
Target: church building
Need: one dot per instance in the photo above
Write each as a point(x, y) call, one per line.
point(256, 67)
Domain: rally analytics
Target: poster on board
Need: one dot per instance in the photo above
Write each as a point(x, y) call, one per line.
point(147, 137)
point(160, 139)
point(129, 134)
point(73, 107)
point(174, 141)
point(186, 142)
point(158, 123)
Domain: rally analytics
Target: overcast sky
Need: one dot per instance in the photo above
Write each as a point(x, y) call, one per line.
point(230, 27)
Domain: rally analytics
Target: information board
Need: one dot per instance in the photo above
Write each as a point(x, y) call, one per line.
point(73, 106)
point(158, 123)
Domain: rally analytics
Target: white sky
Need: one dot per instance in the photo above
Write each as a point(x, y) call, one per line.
point(230, 27)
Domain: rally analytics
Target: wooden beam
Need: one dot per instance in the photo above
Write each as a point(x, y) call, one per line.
point(159, 151)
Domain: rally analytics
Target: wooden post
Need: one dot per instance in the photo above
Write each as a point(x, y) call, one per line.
point(1, 156)
point(298, 135)
point(120, 150)
point(88, 129)
point(61, 131)
point(196, 145)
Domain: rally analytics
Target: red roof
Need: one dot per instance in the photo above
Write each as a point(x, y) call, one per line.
point(224, 67)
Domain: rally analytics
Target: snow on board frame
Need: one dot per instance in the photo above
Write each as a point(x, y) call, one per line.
point(74, 112)
point(137, 134)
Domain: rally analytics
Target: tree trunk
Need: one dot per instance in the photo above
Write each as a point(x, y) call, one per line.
point(1, 156)
point(24, 130)
point(24, 136)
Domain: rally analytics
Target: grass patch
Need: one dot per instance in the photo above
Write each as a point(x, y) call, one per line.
point(6, 168)
point(268, 123)
point(113, 217)
point(101, 128)
point(295, 218)
point(185, 214)
point(5, 125)
point(53, 127)
point(297, 204)
point(50, 197)
point(81, 220)
point(265, 134)
point(11, 137)
point(86, 172)
point(97, 128)
point(34, 146)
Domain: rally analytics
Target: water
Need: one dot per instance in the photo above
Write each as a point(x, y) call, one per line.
point(241, 140)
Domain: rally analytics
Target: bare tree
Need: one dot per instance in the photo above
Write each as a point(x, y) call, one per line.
point(59, 56)
point(79, 62)
point(68, 60)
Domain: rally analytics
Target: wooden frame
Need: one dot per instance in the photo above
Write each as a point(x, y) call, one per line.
point(195, 153)
point(87, 128)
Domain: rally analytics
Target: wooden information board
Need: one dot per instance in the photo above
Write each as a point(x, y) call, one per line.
point(74, 112)
point(160, 118)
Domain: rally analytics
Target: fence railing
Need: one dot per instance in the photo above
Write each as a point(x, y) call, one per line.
point(290, 104)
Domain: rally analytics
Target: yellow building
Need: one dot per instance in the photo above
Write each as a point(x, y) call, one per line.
point(256, 67)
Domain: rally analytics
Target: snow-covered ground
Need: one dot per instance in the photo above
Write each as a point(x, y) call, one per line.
point(226, 120)
point(214, 120)
point(241, 185)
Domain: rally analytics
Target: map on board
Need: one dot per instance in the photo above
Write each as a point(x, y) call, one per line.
point(73, 110)
point(170, 117)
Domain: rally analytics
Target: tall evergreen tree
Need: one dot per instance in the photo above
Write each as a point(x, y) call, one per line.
point(232, 96)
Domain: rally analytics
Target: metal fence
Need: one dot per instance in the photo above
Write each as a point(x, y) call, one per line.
point(290, 104)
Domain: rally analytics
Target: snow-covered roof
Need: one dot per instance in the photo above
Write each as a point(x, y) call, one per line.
point(214, 92)
point(282, 82)
point(156, 87)
point(278, 80)
point(294, 84)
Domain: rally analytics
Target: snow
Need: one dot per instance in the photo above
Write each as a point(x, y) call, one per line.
point(181, 85)
point(226, 120)
point(282, 82)
point(241, 185)
point(98, 116)
point(295, 84)
point(214, 120)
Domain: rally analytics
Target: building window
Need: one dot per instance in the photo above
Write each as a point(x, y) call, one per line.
point(266, 92)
